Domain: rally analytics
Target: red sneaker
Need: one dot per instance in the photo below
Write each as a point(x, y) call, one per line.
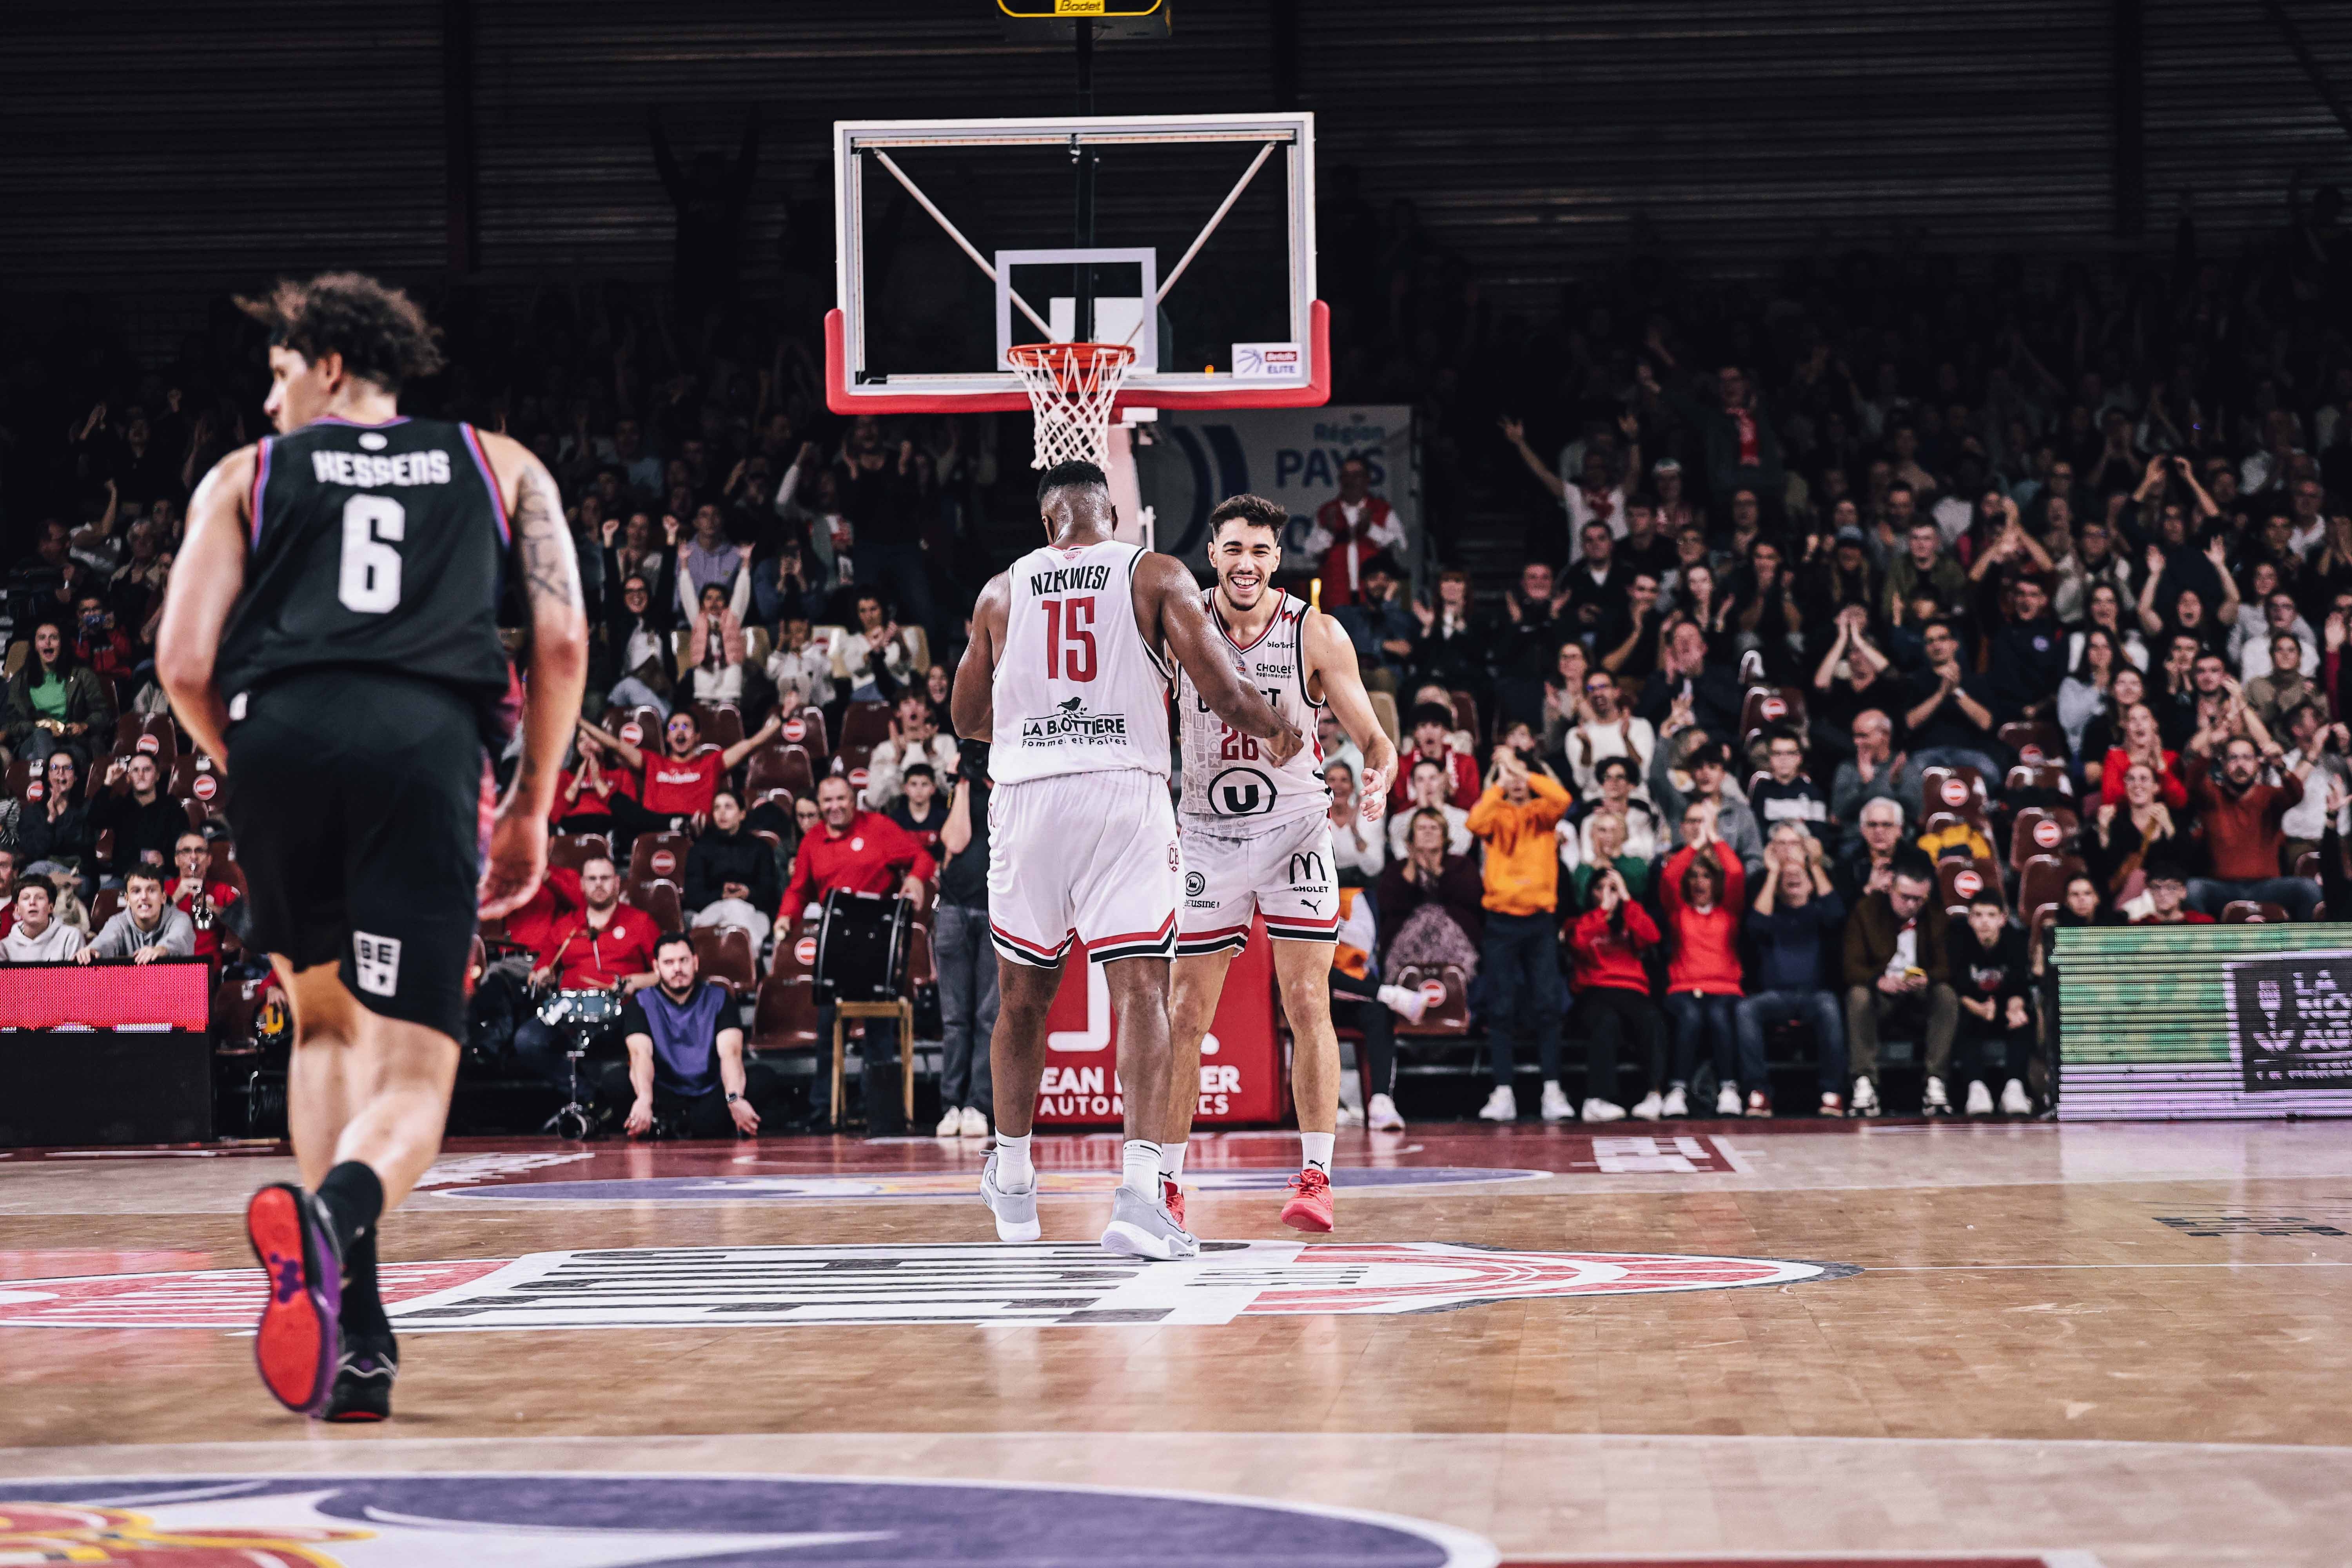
point(1173, 1196)
point(1311, 1204)
point(298, 1345)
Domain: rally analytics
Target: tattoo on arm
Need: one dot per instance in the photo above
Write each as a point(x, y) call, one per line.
point(550, 570)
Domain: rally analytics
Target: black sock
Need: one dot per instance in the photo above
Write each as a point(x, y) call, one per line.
point(362, 1309)
point(353, 1198)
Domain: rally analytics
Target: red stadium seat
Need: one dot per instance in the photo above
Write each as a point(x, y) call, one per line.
point(807, 729)
point(1961, 880)
point(660, 854)
point(785, 1016)
point(1960, 789)
point(153, 734)
point(1449, 1009)
point(1766, 706)
point(2249, 912)
point(194, 777)
point(1465, 716)
point(659, 898)
point(572, 850)
point(109, 902)
point(644, 719)
point(2033, 740)
point(2042, 830)
point(2045, 776)
point(2042, 882)
point(726, 954)
point(864, 726)
point(721, 723)
point(781, 767)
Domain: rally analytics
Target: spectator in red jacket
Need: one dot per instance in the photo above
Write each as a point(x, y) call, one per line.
point(1431, 725)
point(2242, 817)
point(1613, 995)
point(1703, 889)
point(2142, 743)
point(197, 893)
point(599, 944)
point(864, 852)
point(1349, 532)
point(677, 782)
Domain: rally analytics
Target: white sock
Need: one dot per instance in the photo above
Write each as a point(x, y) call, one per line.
point(1141, 1172)
point(1013, 1172)
point(1172, 1160)
point(1316, 1147)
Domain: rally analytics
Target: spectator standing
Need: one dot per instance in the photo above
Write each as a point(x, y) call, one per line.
point(919, 808)
point(1597, 585)
point(1897, 966)
point(1949, 716)
point(799, 665)
point(878, 653)
point(1450, 650)
point(716, 655)
point(54, 699)
point(145, 928)
point(730, 876)
point(1990, 973)
point(2029, 655)
point(1349, 530)
point(966, 964)
point(1612, 994)
point(685, 1051)
point(678, 781)
point(1605, 729)
point(146, 823)
point(914, 738)
point(1785, 794)
point(636, 645)
point(1431, 725)
point(860, 852)
point(1794, 926)
point(1526, 647)
point(2089, 688)
point(1702, 887)
point(38, 936)
point(1378, 624)
point(1688, 688)
point(1358, 848)
point(1730, 820)
point(1873, 773)
point(1520, 952)
point(2242, 815)
point(1637, 832)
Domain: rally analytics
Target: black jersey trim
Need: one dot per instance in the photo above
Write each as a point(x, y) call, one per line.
point(1167, 669)
point(1298, 660)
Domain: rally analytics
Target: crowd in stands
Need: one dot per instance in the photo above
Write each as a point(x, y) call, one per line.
point(1856, 627)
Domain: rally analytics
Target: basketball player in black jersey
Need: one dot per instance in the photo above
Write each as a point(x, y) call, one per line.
point(330, 638)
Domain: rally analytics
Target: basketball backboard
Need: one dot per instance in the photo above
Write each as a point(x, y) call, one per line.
point(1193, 243)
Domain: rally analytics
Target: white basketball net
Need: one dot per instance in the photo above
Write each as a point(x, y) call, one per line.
point(1071, 389)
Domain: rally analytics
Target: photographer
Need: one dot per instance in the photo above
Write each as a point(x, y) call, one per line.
point(146, 928)
point(686, 1059)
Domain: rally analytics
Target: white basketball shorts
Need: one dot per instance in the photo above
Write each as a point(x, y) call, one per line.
point(1090, 856)
point(1284, 872)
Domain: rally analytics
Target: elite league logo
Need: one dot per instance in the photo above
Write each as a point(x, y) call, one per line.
point(1041, 1285)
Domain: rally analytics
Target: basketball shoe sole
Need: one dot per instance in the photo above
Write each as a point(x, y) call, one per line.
point(298, 1345)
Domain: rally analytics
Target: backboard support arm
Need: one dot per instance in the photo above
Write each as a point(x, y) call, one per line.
point(955, 234)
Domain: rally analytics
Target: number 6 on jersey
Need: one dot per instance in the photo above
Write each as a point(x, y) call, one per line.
point(369, 581)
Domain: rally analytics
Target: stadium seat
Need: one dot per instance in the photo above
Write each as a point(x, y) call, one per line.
point(2042, 882)
point(1961, 880)
point(194, 777)
point(1465, 716)
point(1765, 706)
point(795, 951)
point(2249, 912)
point(726, 954)
point(571, 850)
point(721, 723)
point(660, 898)
point(644, 719)
point(656, 855)
point(2307, 864)
point(20, 774)
point(1450, 1013)
point(107, 905)
point(785, 1016)
point(2033, 740)
point(781, 767)
point(2045, 776)
point(153, 734)
point(1960, 789)
point(807, 729)
point(2042, 830)
point(922, 968)
point(864, 726)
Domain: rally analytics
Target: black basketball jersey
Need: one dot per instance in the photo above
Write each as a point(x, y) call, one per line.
point(376, 546)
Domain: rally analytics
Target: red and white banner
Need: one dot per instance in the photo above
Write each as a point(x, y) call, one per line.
point(1242, 1074)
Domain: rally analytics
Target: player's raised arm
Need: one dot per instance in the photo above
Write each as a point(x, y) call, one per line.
point(1331, 659)
point(549, 574)
point(204, 583)
point(1173, 602)
point(971, 702)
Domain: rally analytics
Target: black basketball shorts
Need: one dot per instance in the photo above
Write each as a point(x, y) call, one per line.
point(357, 800)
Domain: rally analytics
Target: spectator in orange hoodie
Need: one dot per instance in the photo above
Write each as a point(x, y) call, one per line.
point(1613, 995)
point(1520, 959)
point(1703, 889)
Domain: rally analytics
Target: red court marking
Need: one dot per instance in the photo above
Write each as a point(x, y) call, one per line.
point(58, 1263)
point(227, 1300)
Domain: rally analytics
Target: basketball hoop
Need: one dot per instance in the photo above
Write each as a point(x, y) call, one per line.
point(1072, 390)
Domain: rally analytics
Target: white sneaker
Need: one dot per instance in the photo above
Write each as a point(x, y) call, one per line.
point(951, 1124)
point(1726, 1100)
point(1501, 1105)
point(1678, 1104)
point(1382, 1116)
point(2015, 1100)
point(1935, 1103)
point(1407, 1004)
point(1651, 1108)
point(1866, 1098)
point(1979, 1098)
point(974, 1123)
point(1350, 1116)
point(1601, 1110)
point(1556, 1107)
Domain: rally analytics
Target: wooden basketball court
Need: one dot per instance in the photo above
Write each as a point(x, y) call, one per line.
point(1695, 1342)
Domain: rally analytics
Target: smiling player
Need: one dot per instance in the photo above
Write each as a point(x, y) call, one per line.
point(1256, 838)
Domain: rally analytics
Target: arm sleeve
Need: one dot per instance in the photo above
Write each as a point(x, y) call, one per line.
point(1552, 801)
point(700, 887)
point(1670, 879)
point(1639, 926)
point(1859, 970)
point(1735, 876)
point(796, 891)
point(1486, 813)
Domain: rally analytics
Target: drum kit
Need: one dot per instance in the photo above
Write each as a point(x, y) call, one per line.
point(580, 1017)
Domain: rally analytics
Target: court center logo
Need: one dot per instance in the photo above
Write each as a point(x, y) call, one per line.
point(591, 1521)
point(1041, 1285)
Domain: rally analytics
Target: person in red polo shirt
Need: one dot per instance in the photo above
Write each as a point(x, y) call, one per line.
point(195, 884)
point(864, 852)
point(584, 795)
point(677, 782)
point(602, 944)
